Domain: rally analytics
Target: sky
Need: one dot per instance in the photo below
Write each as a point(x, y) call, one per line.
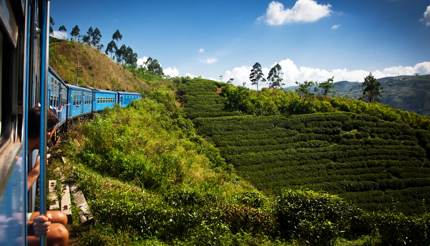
point(310, 39)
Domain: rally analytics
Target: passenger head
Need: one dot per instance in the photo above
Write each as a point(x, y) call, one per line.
point(34, 126)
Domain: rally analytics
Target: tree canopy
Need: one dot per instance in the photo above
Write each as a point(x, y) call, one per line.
point(75, 32)
point(371, 89)
point(62, 28)
point(117, 36)
point(327, 86)
point(256, 76)
point(154, 66)
point(275, 76)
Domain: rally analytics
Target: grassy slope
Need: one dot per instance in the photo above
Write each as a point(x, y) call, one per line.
point(97, 70)
point(375, 163)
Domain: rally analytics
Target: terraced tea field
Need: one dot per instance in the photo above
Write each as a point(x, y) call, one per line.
point(376, 164)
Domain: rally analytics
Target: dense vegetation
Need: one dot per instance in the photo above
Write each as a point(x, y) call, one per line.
point(370, 154)
point(152, 179)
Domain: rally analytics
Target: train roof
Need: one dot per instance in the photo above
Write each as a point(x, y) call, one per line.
point(53, 72)
point(78, 87)
point(128, 92)
point(105, 91)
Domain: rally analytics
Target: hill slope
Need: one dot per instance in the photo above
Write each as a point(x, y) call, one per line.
point(97, 70)
point(368, 157)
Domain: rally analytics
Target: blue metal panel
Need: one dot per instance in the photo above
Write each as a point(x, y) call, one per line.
point(77, 97)
point(104, 99)
point(126, 98)
point(86, 102)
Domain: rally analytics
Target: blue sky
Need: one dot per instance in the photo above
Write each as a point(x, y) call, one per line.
point(311, 39)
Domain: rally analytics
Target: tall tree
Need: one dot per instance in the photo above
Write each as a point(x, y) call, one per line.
point(121, 53)
point(256, 76)
point(117, 36)
point(130, 57)
point(371, 89)
point(154, 66)
point(62, 28)
point(327, 86)
point(275, 76)
point(88, 37)
point(111, 48)
point(96, 37)
point(51, 24)
point(75, 32)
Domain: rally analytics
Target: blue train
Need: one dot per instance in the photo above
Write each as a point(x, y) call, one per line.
point(27, 82)
point(70, 101)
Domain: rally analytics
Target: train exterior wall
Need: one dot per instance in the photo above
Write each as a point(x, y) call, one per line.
point(103, 99)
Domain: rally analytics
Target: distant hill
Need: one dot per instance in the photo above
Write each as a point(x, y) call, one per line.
point(97, 69)
point(411, 93)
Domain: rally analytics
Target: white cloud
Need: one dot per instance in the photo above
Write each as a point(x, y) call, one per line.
point(426, 18)
point(201, 51)
point(303, 11)
point(211, 60)
point(171, 72)
point(293, 73)
point(59, 35)
point(335, 27)
point(141, 61)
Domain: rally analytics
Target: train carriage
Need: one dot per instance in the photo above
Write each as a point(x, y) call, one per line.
point(125, 98)
point(79, 101)
point(103, 99)
point(57, 95)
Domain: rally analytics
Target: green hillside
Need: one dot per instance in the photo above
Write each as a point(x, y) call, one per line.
point(96, 69)
point(372, 155)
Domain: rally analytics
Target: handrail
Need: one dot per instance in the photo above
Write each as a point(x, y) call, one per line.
point(44, 63)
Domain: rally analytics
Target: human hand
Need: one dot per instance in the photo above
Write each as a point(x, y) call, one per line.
point(40, 225)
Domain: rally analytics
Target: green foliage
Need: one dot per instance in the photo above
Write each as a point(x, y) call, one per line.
point(272, 101)
point(75, 32)
point(153, 66)
point(256, 76)
point(304, 89)
point(327, 86)
point(275, 76)
point(371, 89)
point(315, 218)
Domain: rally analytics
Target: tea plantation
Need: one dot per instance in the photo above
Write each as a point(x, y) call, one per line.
point(378, 163)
